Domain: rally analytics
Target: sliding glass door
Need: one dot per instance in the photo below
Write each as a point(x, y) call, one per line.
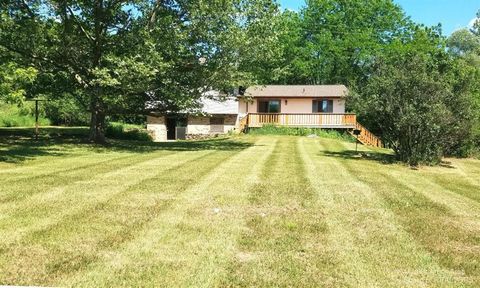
point(269, 106)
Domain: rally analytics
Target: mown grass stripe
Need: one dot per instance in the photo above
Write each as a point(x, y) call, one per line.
point(188, 243)
point(116, 229)
point(81, 194)
point(283, 245)
point(13, 191)
point(43, 190)
point(369, 240)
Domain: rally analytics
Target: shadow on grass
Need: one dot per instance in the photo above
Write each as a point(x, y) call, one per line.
point(18, 147)
point(224, 144)
point(380, 157)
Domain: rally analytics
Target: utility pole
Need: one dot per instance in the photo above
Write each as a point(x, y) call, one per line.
point(356, 132)
point(36, 119)
point(37, 125)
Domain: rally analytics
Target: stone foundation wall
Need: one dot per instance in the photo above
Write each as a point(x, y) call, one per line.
point(200, 125)
point(156, 126)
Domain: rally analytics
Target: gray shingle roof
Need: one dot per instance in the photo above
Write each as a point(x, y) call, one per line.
point(297, 91)
point(211, 106)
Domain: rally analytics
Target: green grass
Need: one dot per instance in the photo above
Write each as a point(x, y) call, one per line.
point(302, 131)
point(13, 116)
point(254, 210)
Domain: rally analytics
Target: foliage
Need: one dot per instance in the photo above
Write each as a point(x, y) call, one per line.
point(406, 96)
point(19, 116)
point(464, 45)
point(66, 111)
point(117, 130)
point(333, 42)
point(14, 80)
point(293, 131)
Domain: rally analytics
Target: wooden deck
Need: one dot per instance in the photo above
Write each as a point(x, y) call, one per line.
point(312, 120)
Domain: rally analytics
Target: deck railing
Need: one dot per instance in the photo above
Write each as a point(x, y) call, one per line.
point(340, 120)
point(367, 137)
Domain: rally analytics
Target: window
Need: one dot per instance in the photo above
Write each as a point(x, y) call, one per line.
point(217, 121)
point(269, 106)
point(217, 124)
point(322, 106)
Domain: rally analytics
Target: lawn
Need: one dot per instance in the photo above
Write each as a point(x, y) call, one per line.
point(245, 211)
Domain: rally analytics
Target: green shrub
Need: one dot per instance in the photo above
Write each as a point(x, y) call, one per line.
point(117, 130)
point(66, 112)
point(14, 116)
point(294, 131)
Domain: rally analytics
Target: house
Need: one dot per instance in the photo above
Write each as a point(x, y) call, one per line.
point(216, 116)
point(312, 106)
point(315, 106)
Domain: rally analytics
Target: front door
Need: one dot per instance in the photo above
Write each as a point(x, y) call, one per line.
point(171, 125)
point(176, 127)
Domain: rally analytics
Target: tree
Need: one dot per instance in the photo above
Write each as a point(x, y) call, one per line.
point(73, 44)
point(464, 45)
point(114, 56)
point(464, 41)
point(341, 38)
point(407, 98)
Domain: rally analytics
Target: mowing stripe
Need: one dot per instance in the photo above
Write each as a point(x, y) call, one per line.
point(440, 229)
point(459, 204)
point(83, 194)
point(373, 247)
point(189, 244)
point(286, 235)
point(42, 192)
point(13, 191)
point(121, 217)
point(57, 168)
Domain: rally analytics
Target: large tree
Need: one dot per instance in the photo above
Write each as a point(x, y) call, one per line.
point(116, 55)
point(341, 38)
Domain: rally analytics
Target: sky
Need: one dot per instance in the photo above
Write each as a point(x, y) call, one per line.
point(452, 14)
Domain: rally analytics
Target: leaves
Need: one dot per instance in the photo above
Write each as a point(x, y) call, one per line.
point(13, 80)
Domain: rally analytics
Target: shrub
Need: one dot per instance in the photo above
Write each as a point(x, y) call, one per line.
point(294, 131)
point(405, 98)
point(117, 130)
point(66, 111)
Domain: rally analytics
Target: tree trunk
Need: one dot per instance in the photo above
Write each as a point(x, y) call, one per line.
point(97, 121)
point(97, 124)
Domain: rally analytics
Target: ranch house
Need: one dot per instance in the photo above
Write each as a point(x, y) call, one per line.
point(312, 106)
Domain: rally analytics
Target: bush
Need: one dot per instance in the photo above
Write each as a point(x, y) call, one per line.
point(293, 131)
point(14, 116)
point(67, 112)
point(117, 130)
point(405, 98)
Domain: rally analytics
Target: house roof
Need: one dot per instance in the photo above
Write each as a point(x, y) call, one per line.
point(299, 91)
point(216, 106)
point(213, 103)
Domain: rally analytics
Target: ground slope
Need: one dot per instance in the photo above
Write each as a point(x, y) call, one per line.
point(249, 211)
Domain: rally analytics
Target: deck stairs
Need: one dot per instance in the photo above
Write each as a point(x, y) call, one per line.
point(366, 137)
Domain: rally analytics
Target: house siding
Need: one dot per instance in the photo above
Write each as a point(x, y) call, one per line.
point(293, 105)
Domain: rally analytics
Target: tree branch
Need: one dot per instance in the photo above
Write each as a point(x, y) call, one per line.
point(89, 37)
